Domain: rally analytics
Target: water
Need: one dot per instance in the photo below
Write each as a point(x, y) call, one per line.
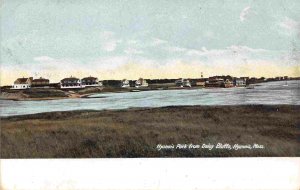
point(265, 93)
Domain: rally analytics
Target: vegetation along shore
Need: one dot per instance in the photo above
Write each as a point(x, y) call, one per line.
point(155, 132)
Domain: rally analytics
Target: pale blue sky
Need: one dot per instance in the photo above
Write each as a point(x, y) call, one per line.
point(39, 36)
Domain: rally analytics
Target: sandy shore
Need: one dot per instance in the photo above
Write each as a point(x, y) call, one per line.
point(269, 130)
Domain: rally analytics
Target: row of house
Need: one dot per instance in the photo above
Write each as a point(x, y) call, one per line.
point(212, 82)
point(227, 82)
point(23, 83)
point(71, 83)
point(138, 83)
point(183, 83)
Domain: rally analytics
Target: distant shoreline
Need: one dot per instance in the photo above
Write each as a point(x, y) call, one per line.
point(16, 95)
point(20, 95)
point(41, 94)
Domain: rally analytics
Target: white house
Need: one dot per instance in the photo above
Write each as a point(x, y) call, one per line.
point(22, 83)
point(240, 82)
point(125, 83)
point(141, 83)
point(71, 82)
point(183, 83)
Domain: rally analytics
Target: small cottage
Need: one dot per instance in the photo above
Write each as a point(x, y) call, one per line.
point(239, 82)
point(22, 83)
point(125, 83)
point(141, 83)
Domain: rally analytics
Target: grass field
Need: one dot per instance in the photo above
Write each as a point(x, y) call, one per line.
point(137, 132)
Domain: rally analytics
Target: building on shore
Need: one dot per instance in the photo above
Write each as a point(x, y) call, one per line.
point(183, 83)
point(71, 82)
point(278, 78)
point(125, 83)
point(141, 83)
point(200, 82)
point(214, 82)
point(22, 83)
point(240, 82)
point(40, 82)
point(90, 82)
point(228, 83)
point(254, 80)
point(111, 83)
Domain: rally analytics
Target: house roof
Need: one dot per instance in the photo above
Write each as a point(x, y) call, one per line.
point(40, 80)
point(201, 80)
point(22, 80)
point(89, 78)
point(70, 79)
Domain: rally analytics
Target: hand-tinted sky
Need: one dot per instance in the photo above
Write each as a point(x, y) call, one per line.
point(151, 39)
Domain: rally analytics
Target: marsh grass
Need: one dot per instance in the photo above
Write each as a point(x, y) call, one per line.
point(136, 132)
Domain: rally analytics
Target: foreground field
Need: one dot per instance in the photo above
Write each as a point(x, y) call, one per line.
point(138, 132)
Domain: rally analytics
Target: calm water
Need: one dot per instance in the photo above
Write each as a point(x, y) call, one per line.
point(266, 93)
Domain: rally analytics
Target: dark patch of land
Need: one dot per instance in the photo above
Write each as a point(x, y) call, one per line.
point(137, 132)
point(33, 94)
point(56, 93)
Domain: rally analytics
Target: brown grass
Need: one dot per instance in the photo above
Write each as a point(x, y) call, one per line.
point(136, 132)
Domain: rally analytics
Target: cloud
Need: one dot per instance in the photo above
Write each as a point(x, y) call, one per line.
point(109, 46)
point(43, 59)
point(108, 41)
point(291, 57)
point(108, 62)
point(244, 13)
point(157, 42)
point(131, 51)
point(174, 49)
point(290, 26)
point(245, 49)
point(227, 52)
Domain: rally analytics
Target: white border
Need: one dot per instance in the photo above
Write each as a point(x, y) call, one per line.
point(149, 173)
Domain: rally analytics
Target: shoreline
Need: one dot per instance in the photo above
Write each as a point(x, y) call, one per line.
point(137, 132)
point(85, 95)
point(78, 95)
point(18, 95)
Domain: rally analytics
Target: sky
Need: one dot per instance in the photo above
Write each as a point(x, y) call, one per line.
point(118, 39)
